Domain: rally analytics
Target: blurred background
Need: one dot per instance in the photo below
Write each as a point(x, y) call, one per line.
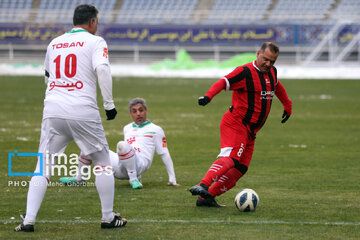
point(324, 33)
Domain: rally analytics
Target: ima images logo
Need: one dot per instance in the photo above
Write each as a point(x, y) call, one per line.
point(16, 153)
point(60, 163)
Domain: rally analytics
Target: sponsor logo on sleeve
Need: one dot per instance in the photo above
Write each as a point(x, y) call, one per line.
point(164, 142)
point(105, 53)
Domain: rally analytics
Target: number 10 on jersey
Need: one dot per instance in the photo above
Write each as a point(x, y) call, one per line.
point(70, 66)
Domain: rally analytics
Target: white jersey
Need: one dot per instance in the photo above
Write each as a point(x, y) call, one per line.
point(146, 139)
point(71, 60)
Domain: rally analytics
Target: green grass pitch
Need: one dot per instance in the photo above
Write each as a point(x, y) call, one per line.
point(306, 172)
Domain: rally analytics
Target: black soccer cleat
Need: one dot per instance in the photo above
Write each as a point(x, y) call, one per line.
point(201, 190)
point(117, 222)
point(207, 202)
point(24, 228)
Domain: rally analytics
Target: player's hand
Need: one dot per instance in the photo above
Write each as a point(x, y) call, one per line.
point(173, 184)
point(111, 114)
point(204, 100)
point(285, 117)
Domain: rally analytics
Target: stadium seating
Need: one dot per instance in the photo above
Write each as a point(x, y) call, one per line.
point(13, 11)
point(347, 10)
point(235, 11)
point(62, 11)
point(185, 11)
point(156, 11)
point(300, 11)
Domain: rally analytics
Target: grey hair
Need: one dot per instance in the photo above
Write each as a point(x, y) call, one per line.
point(135, 101)
point(273, 47)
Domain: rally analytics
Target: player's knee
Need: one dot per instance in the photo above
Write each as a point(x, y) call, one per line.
point(123, 147)
point(225, 162)
point(240, 167)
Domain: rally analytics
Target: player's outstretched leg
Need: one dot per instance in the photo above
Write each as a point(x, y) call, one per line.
point(117, 222)
point(127, 158)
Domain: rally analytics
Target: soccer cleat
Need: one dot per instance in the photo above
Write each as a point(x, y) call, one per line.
point(24, 228)
point(207, 202)
point(70, 181)
point(117, 222)
point(201, 190)
point(136, 184)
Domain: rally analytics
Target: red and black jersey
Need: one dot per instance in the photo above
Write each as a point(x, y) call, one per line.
point(252, 96)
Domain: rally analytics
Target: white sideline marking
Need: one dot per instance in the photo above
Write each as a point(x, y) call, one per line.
point(198, 221)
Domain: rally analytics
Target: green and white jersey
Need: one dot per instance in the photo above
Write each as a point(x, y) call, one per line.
point(146, 139)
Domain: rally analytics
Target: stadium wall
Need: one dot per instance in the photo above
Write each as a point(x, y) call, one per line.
point(141, 45)
point(290, 35)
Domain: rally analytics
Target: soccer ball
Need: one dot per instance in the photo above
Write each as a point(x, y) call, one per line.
point(246, 200)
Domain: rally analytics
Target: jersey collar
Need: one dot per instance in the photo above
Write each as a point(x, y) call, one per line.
point(255, 65)
point(142, 125)
point(76, 30)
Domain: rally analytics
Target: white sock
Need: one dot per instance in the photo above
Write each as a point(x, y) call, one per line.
point(105, 187)
point(127, 158)
point(36, 193)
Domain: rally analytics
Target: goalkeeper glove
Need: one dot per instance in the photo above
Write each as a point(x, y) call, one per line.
point(111, 114)
point(285, 117)
point(204, 100)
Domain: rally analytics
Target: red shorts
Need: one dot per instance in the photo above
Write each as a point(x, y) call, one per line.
point(236, 141)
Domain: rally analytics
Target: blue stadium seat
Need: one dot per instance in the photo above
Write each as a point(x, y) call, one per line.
point(15, 10)
point(62, 11)
point(234, 11)
point(347, 10)
point(290, 11)
point(156, 11)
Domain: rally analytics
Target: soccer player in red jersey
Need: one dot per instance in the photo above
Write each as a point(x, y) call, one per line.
point(254, 86)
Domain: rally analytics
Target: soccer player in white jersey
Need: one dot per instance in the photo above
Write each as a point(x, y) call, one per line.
point(135, 154)
point(73, 62)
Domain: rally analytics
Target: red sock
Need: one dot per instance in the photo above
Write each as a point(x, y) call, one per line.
point(217, 169)
point(226, 182)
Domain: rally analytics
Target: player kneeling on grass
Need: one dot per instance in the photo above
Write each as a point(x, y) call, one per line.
point(135, 155)
point(254, 86)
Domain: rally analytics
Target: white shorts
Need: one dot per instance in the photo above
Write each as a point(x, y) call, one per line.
point(89, 136)
point(121, 172)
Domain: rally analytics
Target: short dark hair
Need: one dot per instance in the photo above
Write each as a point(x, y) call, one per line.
point(273, 47)
point(84, 13)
